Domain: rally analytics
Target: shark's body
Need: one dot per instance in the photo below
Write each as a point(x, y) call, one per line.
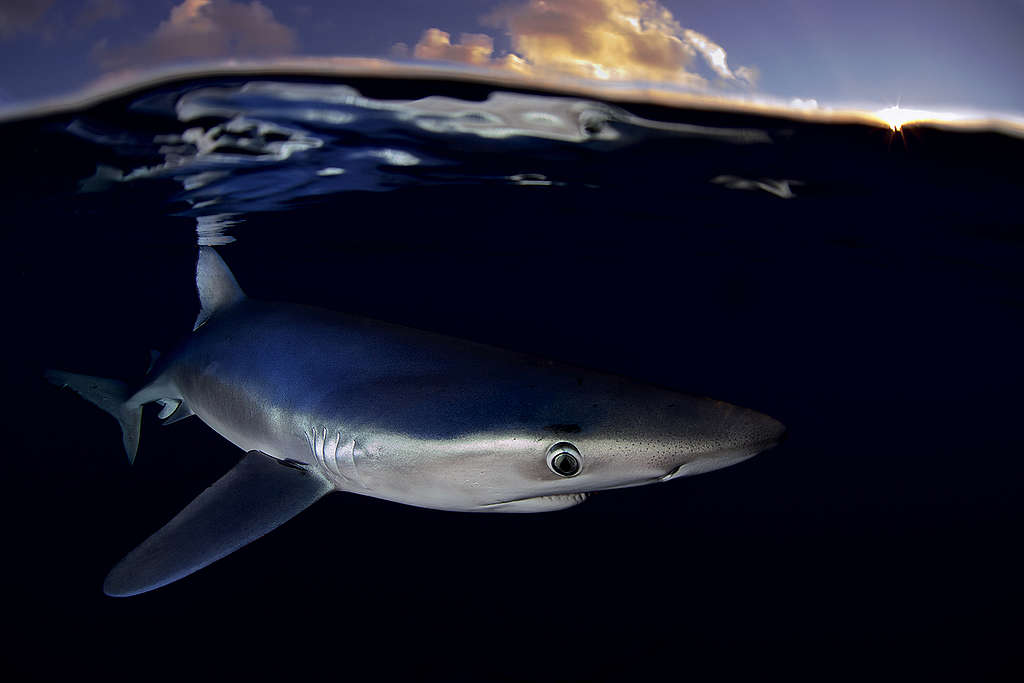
point(355, 405)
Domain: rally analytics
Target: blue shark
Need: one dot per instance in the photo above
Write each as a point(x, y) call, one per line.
point(321, 402)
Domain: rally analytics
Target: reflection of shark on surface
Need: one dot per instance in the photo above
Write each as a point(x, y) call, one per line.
point(324, 402)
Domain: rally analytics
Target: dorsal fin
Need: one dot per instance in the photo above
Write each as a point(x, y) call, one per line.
point(217, 287)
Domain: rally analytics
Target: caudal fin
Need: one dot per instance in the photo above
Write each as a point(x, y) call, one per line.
point(112, 396)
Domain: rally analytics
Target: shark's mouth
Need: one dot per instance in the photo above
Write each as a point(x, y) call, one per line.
point(536, 503)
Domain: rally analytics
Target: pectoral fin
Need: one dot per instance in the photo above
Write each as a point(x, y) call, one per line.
point(254, 497)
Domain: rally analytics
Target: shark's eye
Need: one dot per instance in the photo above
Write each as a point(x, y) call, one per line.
point(565, 464)
point(564, 460)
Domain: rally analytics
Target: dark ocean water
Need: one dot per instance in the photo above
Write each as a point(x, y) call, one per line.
point(862, 285)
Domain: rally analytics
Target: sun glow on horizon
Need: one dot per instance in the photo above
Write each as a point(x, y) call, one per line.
point(896, 117)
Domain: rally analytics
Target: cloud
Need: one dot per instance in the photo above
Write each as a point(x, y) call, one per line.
point(472, 48)
point(799, 103)
point(20, 15)
point(604, 39)
point(750, 74)
point(714, 55)
point(204, 29)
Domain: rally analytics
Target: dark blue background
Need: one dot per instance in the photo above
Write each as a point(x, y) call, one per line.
point(877, 314)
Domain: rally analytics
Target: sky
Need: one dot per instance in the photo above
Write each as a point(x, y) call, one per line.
point(940, 55)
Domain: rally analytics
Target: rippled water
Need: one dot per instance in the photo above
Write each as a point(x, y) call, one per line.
point(863, 285)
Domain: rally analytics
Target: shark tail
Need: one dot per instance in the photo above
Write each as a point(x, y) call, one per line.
point(112, 396)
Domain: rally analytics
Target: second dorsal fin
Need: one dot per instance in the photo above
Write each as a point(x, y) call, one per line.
point(217, 287)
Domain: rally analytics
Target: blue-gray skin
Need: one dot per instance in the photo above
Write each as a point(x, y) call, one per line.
point(356, 405)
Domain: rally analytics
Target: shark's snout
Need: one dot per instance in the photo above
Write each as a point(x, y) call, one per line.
point(764, 432)
point(741, 434)
point(750, 432)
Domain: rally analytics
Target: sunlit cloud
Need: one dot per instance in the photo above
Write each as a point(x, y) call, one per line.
point(472, 48)
point(714, 55)
point(806, 104)
point(204, 29)
point(475, 49)
point(620, 40)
